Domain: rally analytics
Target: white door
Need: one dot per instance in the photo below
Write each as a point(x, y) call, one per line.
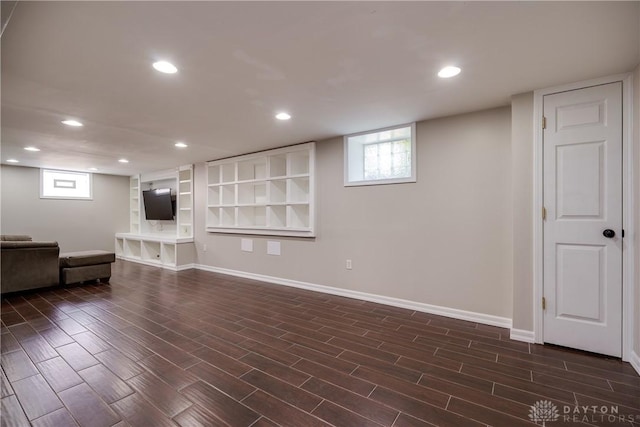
point(582, 145)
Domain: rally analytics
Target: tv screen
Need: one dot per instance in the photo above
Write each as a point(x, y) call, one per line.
point(158, 204)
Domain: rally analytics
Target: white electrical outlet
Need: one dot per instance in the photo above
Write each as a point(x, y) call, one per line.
point(204, 247)
point(349, 265)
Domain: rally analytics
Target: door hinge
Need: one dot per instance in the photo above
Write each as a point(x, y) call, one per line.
point(544, 303)
point(544, 213)
point(623, 233)
point(544, 122)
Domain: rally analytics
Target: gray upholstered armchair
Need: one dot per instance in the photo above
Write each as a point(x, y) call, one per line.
point(25, 264)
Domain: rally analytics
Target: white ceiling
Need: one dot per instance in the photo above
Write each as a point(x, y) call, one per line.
point(337, 67)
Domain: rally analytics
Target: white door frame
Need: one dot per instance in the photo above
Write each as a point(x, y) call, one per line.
point(627, 205)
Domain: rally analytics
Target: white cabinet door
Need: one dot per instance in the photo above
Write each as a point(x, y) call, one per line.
point(583, 198)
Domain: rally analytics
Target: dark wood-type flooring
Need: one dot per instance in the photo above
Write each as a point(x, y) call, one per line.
point(158, 348)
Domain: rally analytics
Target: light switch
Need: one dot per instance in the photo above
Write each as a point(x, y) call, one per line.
point(246, 245)
point(273, 248)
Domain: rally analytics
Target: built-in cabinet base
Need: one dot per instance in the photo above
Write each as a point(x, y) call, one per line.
point(161, 251)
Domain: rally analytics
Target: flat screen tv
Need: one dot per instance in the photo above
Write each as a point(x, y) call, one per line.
point(158, 204)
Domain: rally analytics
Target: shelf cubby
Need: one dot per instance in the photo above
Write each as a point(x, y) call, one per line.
point(119, 249)
point(277, 216)
point(213, 216)
point(185, 230)
point(298, 163)
point(185, 187)
point(213, 175)
point(184, 201)
point(228, 217)
point(228, 173)
point(132, 249)
point(228, 194)
point(252, 169)
point(277, 165)
point(298, 216)
point(252, 216)
point(168, 254)
point(278, 191)
point(298, 191)
point(252, 193)
point(213, 195)
point(150, 251)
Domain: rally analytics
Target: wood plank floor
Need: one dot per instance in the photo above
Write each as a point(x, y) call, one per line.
point(156, 348)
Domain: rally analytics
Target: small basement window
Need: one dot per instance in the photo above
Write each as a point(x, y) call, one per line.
point(384, 156)
point(55, 184)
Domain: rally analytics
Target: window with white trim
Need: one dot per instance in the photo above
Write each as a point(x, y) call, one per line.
point(383, 156)
point(56, 184)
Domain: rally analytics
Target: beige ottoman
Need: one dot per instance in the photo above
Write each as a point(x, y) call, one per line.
point(76, 267)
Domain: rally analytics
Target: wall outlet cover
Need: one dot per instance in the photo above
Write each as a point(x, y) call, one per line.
point(273, 247)
point(246, 245)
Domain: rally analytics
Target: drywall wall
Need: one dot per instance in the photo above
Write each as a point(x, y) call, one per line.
point(445, 240)
point(75, 224)
point(522, 200)
point(636, 186)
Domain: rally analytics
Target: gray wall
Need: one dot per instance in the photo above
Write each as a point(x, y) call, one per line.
point(522, 201)
point(440, 241)
point(636, 186)
point(75, 224)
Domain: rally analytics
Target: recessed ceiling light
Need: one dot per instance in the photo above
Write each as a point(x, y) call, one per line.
point(165, 67)
point(31, 149)
point(123, 161)
point(283, 116)
point(74, 123)
point(12, 161)
point(180, 145)
point(449, 71)
point(93, 169)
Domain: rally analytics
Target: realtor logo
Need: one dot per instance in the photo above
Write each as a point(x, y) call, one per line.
point(543, 411)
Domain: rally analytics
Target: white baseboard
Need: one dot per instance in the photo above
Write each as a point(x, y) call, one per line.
point(635, 361)
point(157, 264)
point(487, 319)
point(522, 335)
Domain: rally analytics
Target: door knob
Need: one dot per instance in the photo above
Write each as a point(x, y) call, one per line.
point(609, 233)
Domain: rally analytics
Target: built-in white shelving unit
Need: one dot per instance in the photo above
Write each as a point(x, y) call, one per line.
point(158, 250)
point(162, 243)
point(271, 192)
point(184, 208)
point(134, 204)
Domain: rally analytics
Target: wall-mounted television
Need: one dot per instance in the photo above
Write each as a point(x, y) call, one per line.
point(159, 204)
